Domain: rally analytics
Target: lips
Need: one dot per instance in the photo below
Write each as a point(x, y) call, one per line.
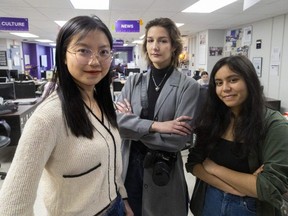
point(227, 97)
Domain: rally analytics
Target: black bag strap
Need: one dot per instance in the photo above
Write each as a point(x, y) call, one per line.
point(144, 95)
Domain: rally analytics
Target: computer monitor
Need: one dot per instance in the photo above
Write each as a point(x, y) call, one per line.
point(25, 89)
point(43, 74)
point(133, 70)
point(7, 91)
point(4, 72)
point(14, 74)
point(3, 79)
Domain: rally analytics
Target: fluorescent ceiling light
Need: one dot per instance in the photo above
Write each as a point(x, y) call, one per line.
point(179, 24)
point(142, 37)
point(60, 23)
point(24, 34)
point(44, 40)
point(249, 3)
point(207, 6)
point(91, 4)
point(138, 42)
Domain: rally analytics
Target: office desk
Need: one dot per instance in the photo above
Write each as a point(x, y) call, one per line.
point(273, 103)
point(18, 119)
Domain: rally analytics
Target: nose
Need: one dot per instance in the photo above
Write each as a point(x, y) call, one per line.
point(94, 60)
point(226, 86)
point(155, 45)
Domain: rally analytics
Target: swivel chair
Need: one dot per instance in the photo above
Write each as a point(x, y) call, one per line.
point(4, 141)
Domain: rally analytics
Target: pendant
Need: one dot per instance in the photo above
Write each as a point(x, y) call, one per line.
point(157, 88)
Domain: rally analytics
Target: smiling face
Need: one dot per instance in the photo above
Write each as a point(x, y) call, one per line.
point(89, 74)
point(231, 88)
point(159, 47)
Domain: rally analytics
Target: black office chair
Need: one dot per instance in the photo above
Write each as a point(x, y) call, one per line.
point(4, 140)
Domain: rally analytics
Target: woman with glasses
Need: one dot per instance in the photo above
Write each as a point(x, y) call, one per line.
point(154, 117)
point(70, 147)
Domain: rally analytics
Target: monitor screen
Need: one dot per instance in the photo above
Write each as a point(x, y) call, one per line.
point(3, 79)
point(14, 74)
point(133, 70)
point(7, 91)
point(4, 73)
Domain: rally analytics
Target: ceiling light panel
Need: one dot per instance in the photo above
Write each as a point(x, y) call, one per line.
point(207, 6)
point(90, 4)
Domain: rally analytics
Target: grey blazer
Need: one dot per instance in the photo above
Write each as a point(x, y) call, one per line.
point(178, 97)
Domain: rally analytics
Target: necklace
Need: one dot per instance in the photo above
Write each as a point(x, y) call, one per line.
point(157, 87)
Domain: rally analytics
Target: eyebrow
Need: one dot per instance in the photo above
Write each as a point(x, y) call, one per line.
point(87, 46)
point(229, 77)
point(163, 37)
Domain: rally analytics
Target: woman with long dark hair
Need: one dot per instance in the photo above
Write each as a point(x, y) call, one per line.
point(240, 155)
point(70, 146)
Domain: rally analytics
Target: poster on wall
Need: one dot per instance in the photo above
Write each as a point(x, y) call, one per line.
point(3, 58)
point(215, 51)
point(247, 36)
point(202, 38)
point(257, 62)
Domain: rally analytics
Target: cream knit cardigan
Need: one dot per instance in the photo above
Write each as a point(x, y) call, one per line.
point(76, 176)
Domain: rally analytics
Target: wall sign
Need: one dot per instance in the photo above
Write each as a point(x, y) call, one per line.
point(14, 24)
point(3, 58)
point(257, 62)
point(127, 26)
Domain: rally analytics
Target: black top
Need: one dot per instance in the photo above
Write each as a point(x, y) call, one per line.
point(224, 154)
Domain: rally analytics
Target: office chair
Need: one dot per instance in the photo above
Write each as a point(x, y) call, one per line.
point(4, 141)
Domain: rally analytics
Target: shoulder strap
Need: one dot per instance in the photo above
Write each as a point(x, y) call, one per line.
point(144, 95)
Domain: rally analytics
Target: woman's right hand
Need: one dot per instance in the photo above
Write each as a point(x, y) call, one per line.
point(177, 126)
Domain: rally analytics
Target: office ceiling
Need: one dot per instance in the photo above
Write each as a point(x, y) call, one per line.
point(42, 14)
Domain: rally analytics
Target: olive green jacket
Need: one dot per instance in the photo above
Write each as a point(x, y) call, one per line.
point(272, 183)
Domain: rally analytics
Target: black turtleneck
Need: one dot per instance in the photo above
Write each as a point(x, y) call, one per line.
point(159, 75)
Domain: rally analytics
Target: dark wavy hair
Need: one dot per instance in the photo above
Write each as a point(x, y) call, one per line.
point(72, 103)
point(216, 116)
point(174, 35)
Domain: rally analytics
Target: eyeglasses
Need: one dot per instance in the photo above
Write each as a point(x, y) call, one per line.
point(84, 56)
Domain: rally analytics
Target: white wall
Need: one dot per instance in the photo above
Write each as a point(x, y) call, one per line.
point(274, 34)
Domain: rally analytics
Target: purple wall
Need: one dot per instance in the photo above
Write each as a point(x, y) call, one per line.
point(34, 51)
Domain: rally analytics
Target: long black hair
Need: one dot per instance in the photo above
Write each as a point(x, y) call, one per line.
point(72, 103)
point(216, 116)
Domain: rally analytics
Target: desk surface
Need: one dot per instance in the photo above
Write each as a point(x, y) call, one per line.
point(23, 108)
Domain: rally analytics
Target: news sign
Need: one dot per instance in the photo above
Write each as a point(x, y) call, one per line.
point(127, 26)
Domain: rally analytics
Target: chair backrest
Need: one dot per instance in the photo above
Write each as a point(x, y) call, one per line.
point(5, 139)
point(25, 89)
point(7, 90)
